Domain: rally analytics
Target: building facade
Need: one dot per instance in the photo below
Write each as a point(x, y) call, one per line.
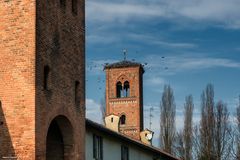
point(106, 144)
point(42, 85)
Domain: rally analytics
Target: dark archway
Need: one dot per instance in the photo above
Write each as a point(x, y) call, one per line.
point(59, 144)
point(123, 119)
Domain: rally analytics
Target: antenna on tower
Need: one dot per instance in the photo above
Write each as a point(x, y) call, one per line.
point(125, 54)
point(150, 117)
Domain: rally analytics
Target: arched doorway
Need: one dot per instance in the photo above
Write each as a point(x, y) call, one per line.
point(59, 144)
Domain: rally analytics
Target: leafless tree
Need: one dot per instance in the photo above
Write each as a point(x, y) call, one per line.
point(179, 145)
point(184, 139)
point(207, 125)
point(215, 129)
point(222, 133)
point(237, 132)
point(167, 119)
point(196, 143)
point(103, 108)
point(188, 130)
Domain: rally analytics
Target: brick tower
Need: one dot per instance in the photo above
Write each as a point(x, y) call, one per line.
point(124, 95)
point(42, 79)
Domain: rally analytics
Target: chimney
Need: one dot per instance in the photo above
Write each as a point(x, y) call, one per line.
point(112, 122)
point(146, 136)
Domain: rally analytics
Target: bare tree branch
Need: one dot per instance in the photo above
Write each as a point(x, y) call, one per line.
point(103, 108)
point(167, 120)
point(207, 125)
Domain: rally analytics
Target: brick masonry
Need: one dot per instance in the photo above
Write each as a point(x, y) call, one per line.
point(34, 34)
point(131, 106)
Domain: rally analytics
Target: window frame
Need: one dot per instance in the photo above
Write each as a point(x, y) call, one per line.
point(97, 147)
point(124, 152)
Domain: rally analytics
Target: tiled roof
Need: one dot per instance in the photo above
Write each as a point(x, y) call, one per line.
point(122, 64)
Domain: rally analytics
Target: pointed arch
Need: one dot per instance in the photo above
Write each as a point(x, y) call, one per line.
point(122, 78)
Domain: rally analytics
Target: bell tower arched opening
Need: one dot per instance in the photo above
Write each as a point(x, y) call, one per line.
point(119, 89)
point(126, 92)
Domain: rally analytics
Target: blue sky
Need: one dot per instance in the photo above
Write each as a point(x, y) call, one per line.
point(199, 40)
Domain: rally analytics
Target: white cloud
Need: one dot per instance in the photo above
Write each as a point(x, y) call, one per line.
point(101, 39)
point(154, 81)
point(175, 64)
point(157, 41)
point(168, 66)
point(110, 11)
point(93, 110)
point(222, 12)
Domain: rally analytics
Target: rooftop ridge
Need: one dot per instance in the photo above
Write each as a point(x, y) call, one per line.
point(123, 64)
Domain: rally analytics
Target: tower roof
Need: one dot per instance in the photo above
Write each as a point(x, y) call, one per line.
point(124, 64)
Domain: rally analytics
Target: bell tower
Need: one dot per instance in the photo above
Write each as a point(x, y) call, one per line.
point(124, 95)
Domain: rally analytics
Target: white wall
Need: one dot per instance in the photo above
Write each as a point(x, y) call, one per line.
point(112, 149)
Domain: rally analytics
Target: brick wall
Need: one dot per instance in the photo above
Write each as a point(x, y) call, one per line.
point(17, 78)
point(34, 34)
point(60, 45)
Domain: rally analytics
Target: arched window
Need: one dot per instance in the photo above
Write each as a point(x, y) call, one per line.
point(122, 120)
point(119, 89)
point(126, 89)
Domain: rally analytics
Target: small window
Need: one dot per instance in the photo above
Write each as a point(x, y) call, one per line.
point(46, 77)
point(112, 119)
point(124, 153)
point(63, 4)
point(74, 7)
point(77, 93)
point(119, 90)
point(97, 147)
point(126, 89)
point(122, 120)
point(56, 42)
